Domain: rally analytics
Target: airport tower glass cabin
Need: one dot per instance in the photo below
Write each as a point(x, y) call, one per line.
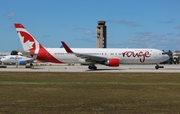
point(101, 35)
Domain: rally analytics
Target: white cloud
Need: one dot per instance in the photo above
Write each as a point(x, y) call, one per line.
point(166, 42)
point(178, 35)
point(109, 36)
point(170, 33)
point(144, 33)
point(152, 40)
point(89, 32)
point(79, 28)
point(177, 27)
point(168, 21)
point(46, 36)
point(11, 14)
point(146, 36)
point(125, 22)
point(89, 40)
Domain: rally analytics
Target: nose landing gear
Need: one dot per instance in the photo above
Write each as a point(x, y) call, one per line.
point(157, 66)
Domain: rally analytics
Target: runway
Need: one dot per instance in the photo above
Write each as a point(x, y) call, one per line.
point(79, 68)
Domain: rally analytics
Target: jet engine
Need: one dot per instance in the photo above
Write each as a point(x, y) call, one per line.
point(112, 62)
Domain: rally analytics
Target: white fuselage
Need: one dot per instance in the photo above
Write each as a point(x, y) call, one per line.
point(125, 55)
point(14, 59)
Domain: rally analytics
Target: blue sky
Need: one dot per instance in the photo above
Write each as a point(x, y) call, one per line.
point(130, 23)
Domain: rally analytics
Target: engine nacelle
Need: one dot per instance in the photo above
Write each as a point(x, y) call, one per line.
point(112, 62)
point(22, 62)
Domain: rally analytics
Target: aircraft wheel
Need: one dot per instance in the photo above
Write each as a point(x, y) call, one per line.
point(157, 67)
point(92, 67)
point(31, 64)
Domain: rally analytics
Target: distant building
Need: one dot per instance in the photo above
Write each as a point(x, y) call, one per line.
point(101, 35)
point(176, 57)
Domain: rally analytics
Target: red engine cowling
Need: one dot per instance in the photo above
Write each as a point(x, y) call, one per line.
point(113, 62)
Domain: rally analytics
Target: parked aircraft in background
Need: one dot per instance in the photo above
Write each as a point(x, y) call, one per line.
point(17, 59)
point(112, 57)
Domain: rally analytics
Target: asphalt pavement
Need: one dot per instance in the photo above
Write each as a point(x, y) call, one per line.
point(174, 68)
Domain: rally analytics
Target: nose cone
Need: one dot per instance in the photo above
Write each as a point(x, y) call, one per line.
point(166, 57)
point(2, 59)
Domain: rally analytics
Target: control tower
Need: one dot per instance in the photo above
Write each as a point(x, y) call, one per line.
point(101, 35)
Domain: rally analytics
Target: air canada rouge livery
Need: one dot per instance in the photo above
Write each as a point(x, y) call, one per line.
point(112, 57)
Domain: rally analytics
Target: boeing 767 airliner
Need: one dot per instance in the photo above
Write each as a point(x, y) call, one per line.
point(112, 57)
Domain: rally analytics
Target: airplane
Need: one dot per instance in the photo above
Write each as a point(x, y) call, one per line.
point(111, 57)
point(17, 59)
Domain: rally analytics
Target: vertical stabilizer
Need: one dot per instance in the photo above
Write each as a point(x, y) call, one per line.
point(28, 42)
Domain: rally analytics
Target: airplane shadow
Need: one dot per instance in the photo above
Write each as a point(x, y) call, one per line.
point(35, 68)
point(104, 70)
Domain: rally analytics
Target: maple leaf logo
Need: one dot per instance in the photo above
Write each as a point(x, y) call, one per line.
point(28, 45)
point(27, 41)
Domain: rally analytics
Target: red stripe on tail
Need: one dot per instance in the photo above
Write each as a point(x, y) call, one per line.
point(18, 25)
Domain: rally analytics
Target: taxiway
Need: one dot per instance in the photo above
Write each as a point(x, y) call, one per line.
point(79, 68)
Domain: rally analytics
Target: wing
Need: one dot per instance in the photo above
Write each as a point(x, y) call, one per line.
point(87, 57)
point(91, 58)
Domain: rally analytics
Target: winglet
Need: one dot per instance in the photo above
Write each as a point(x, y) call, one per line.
point(68, 50)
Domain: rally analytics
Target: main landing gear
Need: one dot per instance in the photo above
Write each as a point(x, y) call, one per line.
point(31, 65)
point(157, 66)
point(92, 67)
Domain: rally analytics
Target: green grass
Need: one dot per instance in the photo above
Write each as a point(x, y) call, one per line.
point(89, 93)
